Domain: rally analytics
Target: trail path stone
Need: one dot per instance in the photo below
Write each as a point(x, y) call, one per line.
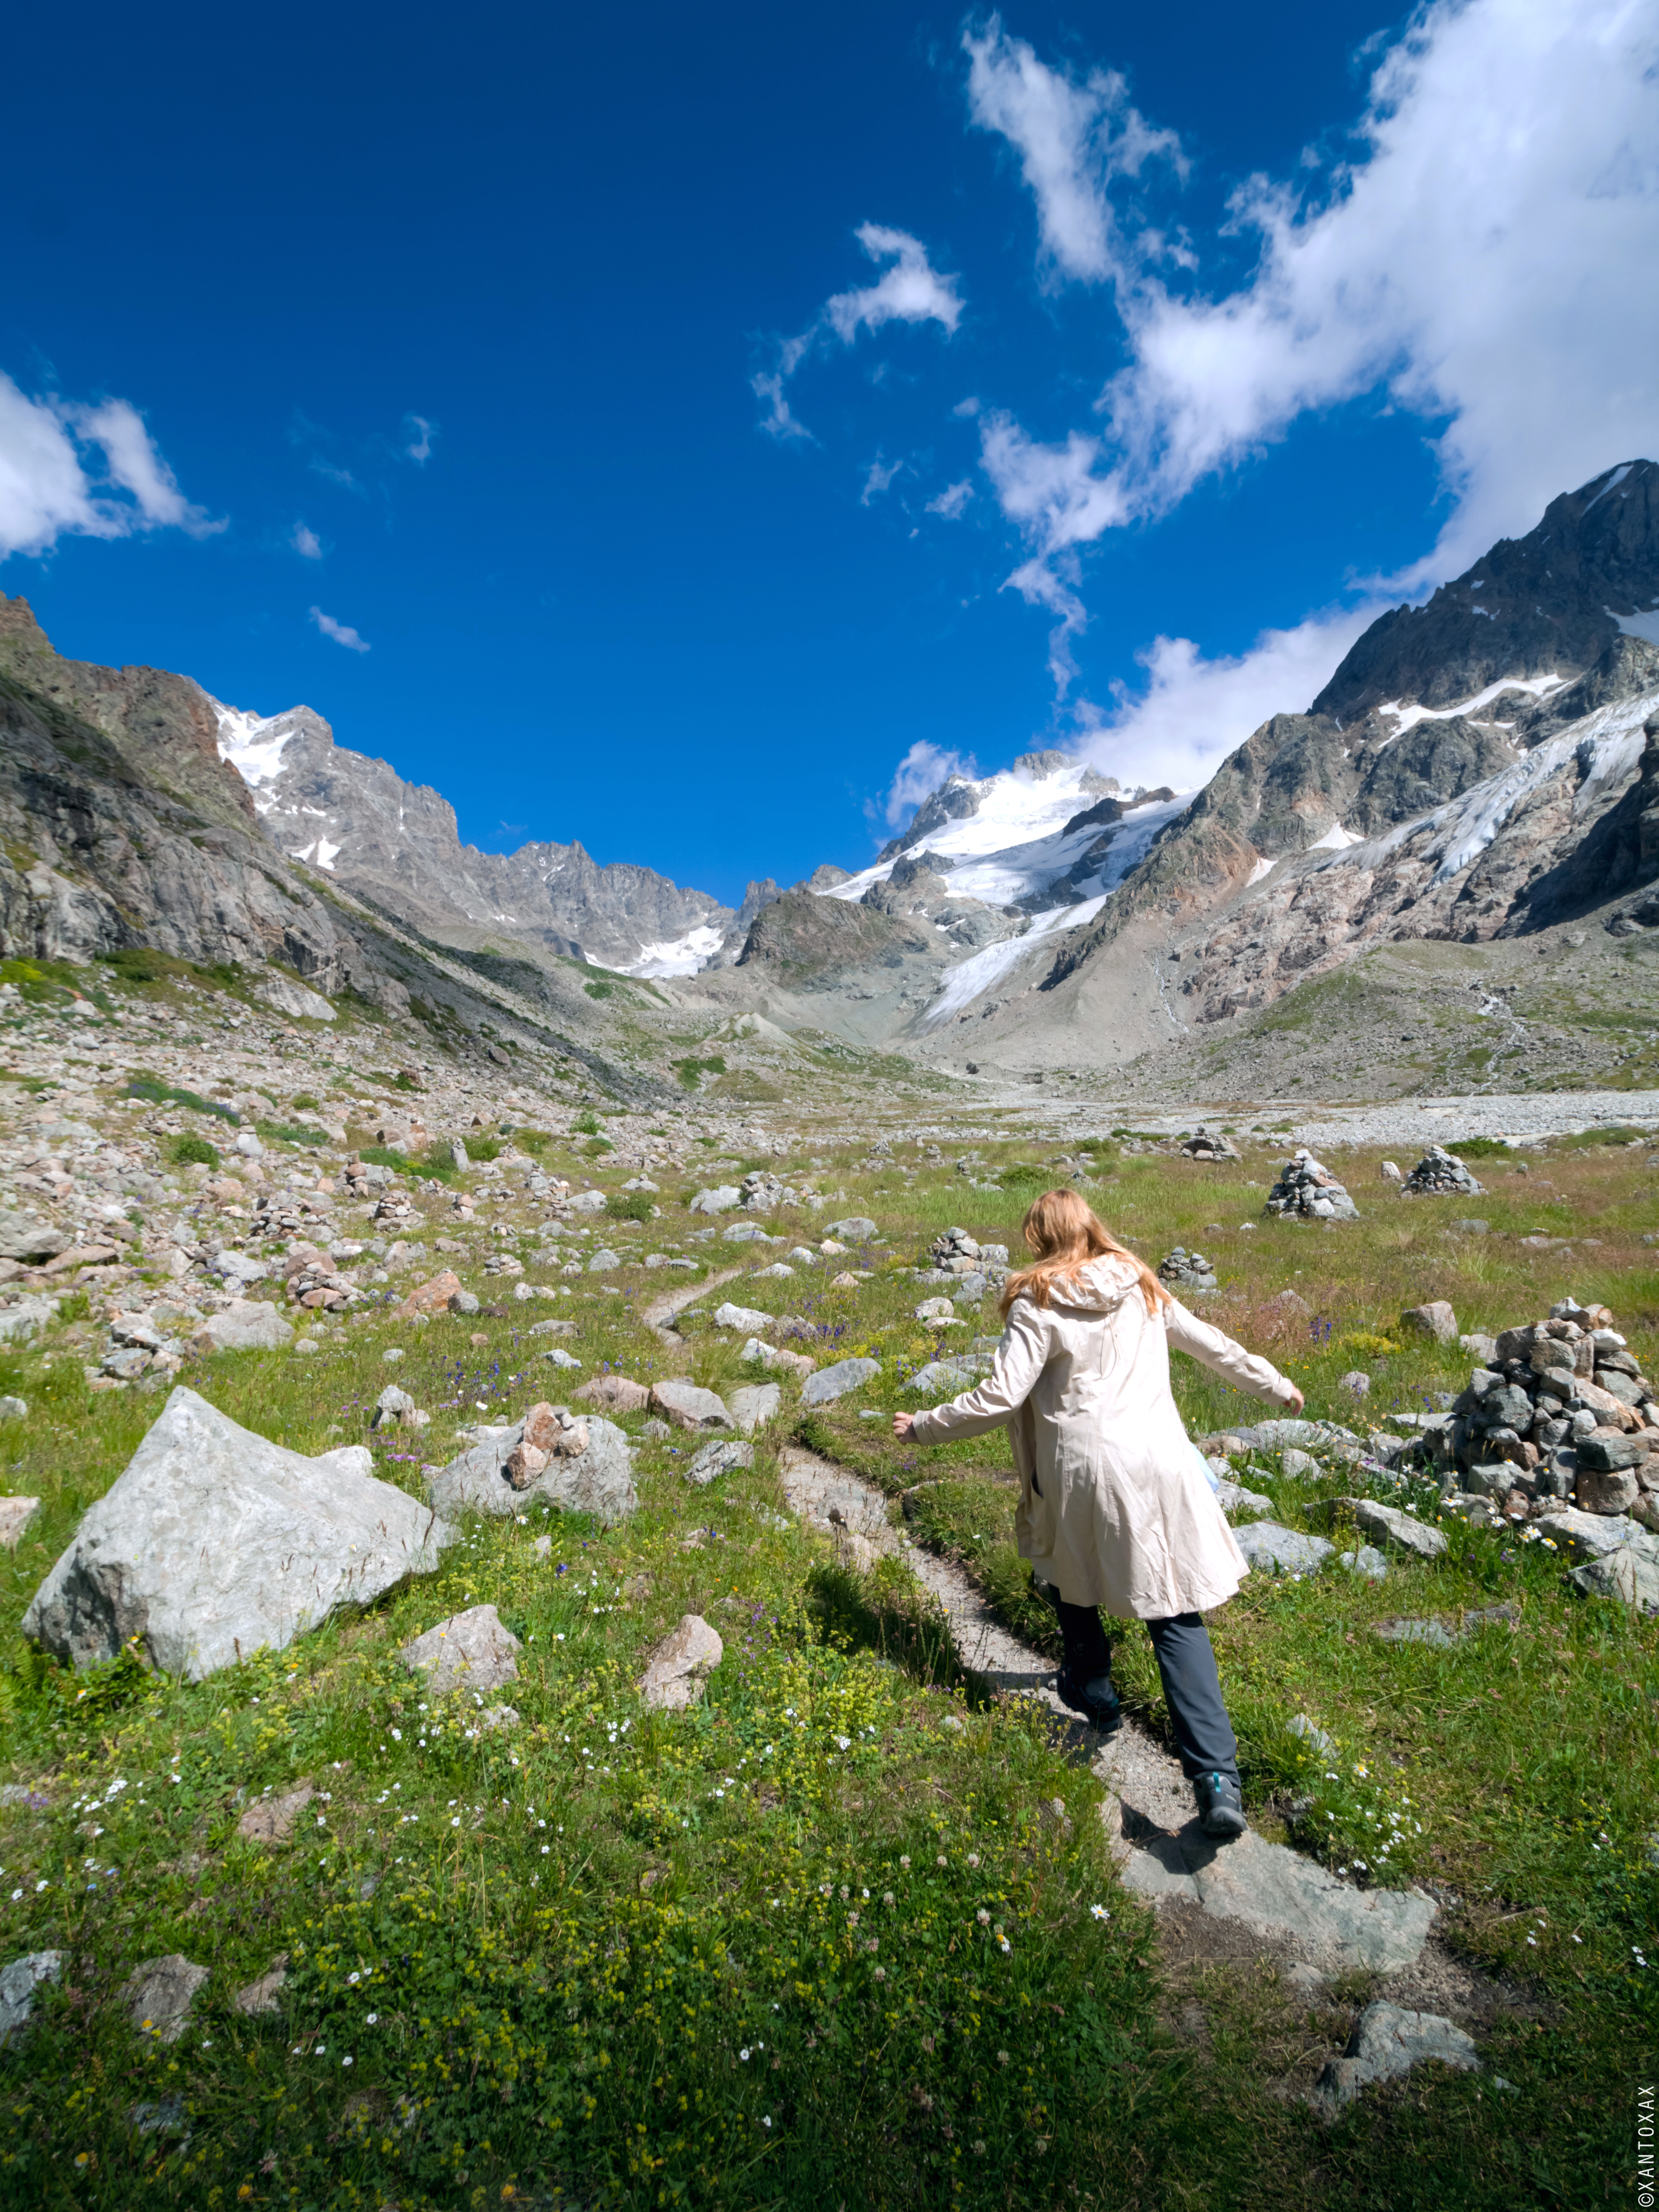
point(1387, 2042)
point(214, 1543)
point(662, 1311)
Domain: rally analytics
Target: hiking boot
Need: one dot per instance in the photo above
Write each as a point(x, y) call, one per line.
point(1096, 1700)
point(1220, 1805)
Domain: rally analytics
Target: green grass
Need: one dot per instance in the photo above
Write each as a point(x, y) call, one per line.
point(158, 1093)
point(575, 2015)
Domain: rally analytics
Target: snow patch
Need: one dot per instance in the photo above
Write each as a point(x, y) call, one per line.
point(252, 744)
point(1612, 485)
point(1409, 717)
point(1261, 868)
point(682, 956)
point(1335, 840)
point(1646, 627)
point(320, 854)
point(964, 983)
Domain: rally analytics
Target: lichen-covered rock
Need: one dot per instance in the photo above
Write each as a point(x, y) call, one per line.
point(214, 1543)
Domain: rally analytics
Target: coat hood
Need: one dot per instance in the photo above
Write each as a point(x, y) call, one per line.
point(1100, 1286)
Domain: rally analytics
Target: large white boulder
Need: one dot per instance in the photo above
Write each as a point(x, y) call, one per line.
point(213, 1543)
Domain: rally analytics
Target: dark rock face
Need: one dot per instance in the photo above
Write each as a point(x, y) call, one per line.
point(1546, 603)
point(397, 845)
point(811, 943)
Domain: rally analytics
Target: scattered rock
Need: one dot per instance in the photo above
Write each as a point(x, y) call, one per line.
point(1300, 1466)
point(16, 1515)
point(1314, 1736)
point(271, 1820)
point(263, 1995)
point(470, 1650)
point(396, 1406)
point(1396, 1530)
point(717, 1458)
point(431, 1297)
point(13, 1409)
point(1628, 1575)
point(564, 1360)
point(1356, 1383)
point(618, 1393)
point(1232, 1498)
point(681, 1663)
point(1387, 2043)
point(720, 1199)
point(793, 1362)
point(1310, 1192)
point(688, 1406)
point(749, 1319)
point(1438, 1173)
point(1435, 1320)
point(857, 1229)
point(246, 1325)
point(150, 1559)
point(586, 1467)
point(754, 1405)
point(947, 1377)
point(31, 1241)
point(160, 1994)
point(1265, 1545)
point(463, 1302)
point(1367, 1561)
point(18, 1982)
point(1390, 1171)
point(831, 1382)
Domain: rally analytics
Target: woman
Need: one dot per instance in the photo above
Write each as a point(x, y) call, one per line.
point(1114, 1508)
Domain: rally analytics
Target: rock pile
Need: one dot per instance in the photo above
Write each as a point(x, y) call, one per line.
point(1310, 1192)
point(1438, 1174)
point(1207, 1144)
point(1189, 1272)
point(1562, 1410)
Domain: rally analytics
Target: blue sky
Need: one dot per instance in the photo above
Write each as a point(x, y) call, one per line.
point(1117, 370)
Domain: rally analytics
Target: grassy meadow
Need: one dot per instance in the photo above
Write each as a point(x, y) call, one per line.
point(847, 1933)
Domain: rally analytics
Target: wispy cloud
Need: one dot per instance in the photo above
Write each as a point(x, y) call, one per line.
point(909, 290)
point(922, 770)
point(72, 469)
point(305, 543)
point(879, 479)
point(952, 501)
point(342, 632)
point(1473, 264)
point(420, 433)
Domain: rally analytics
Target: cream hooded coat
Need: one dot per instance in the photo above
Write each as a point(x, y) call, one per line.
point(1114, 1508)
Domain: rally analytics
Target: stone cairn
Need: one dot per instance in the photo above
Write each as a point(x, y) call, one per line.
point(1438, 1174)
point(1310, 1192)
point(1560, 1410)
point(1207, 1144)
point(1190, 1272)
point(958, 1258)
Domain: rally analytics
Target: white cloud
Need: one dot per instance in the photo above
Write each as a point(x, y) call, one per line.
point(923, 768)
point(419, 433)
point(911, 290)
point(1194, 711)
point(342, 632)
point(1073, 139)
point(1478, 263)
point(953, 501)
point(879, 479)
point(46, 490)
point(305, 543)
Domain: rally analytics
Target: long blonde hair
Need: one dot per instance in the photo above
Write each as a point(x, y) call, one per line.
point(1064, 1233)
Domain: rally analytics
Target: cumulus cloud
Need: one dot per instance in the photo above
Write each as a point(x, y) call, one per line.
point(909, 290)
point(1476, 263)
point(952, 501)
point(922, 770)
point(305, 543)
point(1074, 139)
point(1195, 711)
point(342, 632)
point(72, 469)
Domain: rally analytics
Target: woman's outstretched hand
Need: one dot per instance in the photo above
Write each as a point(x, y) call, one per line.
point(902, 1424)
point(1296, 1402)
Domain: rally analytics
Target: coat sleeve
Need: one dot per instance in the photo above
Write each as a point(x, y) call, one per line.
point(1021, 1358)
point(1245, 1370)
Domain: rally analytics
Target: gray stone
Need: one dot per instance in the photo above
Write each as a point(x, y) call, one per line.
point(613, 1394)
point(754, 1405)
point(947, 1377)
point(244, 1326)
point(1356, 1383)
point(1609, 1451)
point(1233, 1498)
point(715, 1460)
point(857, 1229)
point(1367, 1561)
point(1307, 1191)
point(830, 1382)
point(719, 1200)
point(19, 1324)
point(1593, 1536)
point(16, 1515)
point(13, 1409)
point(1398, 1531)
point(749, 1319)
point(1267, 1546)
point(160, 1994)
point(562, 1359)
point(1387, 2043)
point(1279, 1894)
point(18, 1982)
point(1313, 1735)
point(604, 1258)
point(393, 1405)
point(273, 1820)
point(680, 1664)
point(1436, 1320)
point(689, 1407)
point(470, 1650)
point(595, 1477)
point(1626, 1574)
point(265, 1994)
point(1300, 1466)
point(463, 1302)
point(30, 1241)
point(214, 1543)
